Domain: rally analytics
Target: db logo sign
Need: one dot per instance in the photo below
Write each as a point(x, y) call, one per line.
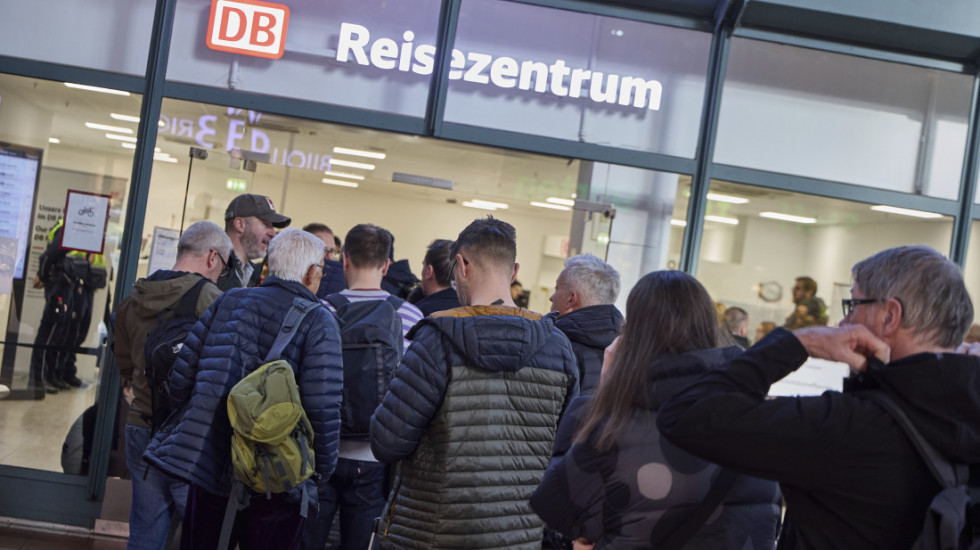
point(248, 27)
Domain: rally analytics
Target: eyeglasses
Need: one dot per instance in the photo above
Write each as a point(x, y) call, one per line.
point(848, 304)
point(224, 264)
point(452, 270)
point(322, 266)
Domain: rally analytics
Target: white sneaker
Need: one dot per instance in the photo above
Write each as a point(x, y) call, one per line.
point(4, 391)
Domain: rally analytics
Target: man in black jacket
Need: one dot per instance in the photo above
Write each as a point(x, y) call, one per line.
point(438, 295)
point(584, 295)
point(850, 476)
point(250, 222)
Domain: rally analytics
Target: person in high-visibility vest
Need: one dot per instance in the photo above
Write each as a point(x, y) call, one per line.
point(58, 288)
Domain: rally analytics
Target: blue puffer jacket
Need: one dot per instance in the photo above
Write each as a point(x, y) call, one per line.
point(590, 330)
point(231, 340)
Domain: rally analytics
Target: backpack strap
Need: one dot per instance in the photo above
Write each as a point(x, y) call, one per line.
point(187, 306)
point(680, 536)
point(946, 473)
point(295, 315)
point(337, 300)
point(395, 301)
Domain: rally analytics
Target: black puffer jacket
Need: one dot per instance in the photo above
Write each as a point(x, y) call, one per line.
point(590, 330)
point(642, 489)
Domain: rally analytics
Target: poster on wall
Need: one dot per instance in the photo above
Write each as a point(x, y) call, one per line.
point(19, 172)
point(86, 218)
point(163, 250)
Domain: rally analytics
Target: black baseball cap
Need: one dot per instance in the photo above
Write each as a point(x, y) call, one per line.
point(259, 206)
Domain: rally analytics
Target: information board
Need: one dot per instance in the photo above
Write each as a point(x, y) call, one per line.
point(19, 172)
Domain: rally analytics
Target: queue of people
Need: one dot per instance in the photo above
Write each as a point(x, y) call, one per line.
point(482, 424)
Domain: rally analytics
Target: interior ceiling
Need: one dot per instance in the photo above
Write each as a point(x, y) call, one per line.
point(478, 172)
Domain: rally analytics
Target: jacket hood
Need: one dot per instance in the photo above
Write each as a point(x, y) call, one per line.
point(593, 326)
point(940, 393)
point(496, 338)
point(160, 291)
point(672, 373)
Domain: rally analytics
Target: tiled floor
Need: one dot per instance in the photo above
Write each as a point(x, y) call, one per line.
point(20, 539)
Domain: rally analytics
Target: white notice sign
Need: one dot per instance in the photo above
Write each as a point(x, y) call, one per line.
point(163, 250)
point(86, 218)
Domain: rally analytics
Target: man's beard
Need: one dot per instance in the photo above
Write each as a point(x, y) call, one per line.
point(252, 246)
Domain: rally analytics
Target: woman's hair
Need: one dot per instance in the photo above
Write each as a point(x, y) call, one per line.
point(667, 312)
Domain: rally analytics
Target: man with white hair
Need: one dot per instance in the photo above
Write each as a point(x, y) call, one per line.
point(584, 295)
point(231, 340)
point(851, 476)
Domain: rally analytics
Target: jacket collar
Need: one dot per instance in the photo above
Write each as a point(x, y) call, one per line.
point(291, 286)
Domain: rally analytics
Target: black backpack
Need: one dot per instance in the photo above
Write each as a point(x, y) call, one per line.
point(163, 343)
point(371, 335)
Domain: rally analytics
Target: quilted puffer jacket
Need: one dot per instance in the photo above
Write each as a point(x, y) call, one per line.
point(590, 329)
point(231, 340)
point(471, 413)
point(635, 494)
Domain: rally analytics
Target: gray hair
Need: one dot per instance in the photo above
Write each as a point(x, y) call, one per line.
point(292, 252)
point(935, 303)
point(202, 237)
point(595, 281)
point(734, 317)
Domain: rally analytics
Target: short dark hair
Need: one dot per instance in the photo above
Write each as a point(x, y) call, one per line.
point(488, 241)
point(439, 257)
point(367, 245)
point(809, 284)
point(317, 227)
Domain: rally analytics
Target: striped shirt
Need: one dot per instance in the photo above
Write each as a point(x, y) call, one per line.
point(408, 312)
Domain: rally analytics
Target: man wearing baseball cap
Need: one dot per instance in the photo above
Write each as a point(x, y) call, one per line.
point(250, 222)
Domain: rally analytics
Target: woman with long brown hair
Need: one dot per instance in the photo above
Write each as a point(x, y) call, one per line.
point(614, 482)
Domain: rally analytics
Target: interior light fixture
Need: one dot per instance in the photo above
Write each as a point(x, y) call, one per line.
point(96, 89)
point(351, 164)
point(905, 211)
point(489, 204)
point(721, 219)
point(341, 183)
point(107, 128)
point(344, 175)
point(678, 223)
point(117, 137)
point(53, 140)
point(787, 217)
point(360, 153)
point(127, 145)
point(563, 202)
point(477, 204)
point(125, 118)
point(549, 205)
point(164, 157)
point(726, 198)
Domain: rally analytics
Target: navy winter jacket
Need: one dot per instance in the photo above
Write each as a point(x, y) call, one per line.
point(590, 330)
point(231, 340)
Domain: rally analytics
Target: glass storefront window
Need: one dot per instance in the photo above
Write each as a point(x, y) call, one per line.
point(112, 35)
point(579, 77)
point(68, 143)
point(843, 118)
point(971, 275)
point(366, 54)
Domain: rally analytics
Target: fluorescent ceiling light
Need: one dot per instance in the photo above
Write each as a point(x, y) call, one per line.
point(489, 204)
point(125, 118)
point(721, 219)
point(96, 89)
point(127, 145)
point(787, 217)
point(726, 198)
point(905, 211)
point(117, 137)
point(563, 202)
point(107, 128)
point(478, 204)
point(351, 164)
point(549, 205)
point(54, 140)
point(360, 153)
point(344, 175)
point(164, 157)
point(678, 223)
point(341, 183)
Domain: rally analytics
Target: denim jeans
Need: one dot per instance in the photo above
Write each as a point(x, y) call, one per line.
point(359, 490)
point(156, 496)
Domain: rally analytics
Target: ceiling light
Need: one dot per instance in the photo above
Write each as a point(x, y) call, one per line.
point(360, 153)
point(905, 212)
point(351, 164)
point(478, 204)
point(787, 217)
point(164, 157)
point(54, 140)
point(726, 198)
point(721, 219)
point(96, 89)
point(107, 128)
point(117, 137)
point(127, 145)
point(125, 118)
point(341, 183)
point(490, 204)
point(678, 223)
point(563, 202)
point(344, 175)
point(549, 205)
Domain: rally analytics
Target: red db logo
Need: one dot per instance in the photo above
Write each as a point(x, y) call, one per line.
point(248, 27)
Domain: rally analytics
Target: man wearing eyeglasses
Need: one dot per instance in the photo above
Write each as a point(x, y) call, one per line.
point(850, 475)
point(472, 409)
point(201, 258)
